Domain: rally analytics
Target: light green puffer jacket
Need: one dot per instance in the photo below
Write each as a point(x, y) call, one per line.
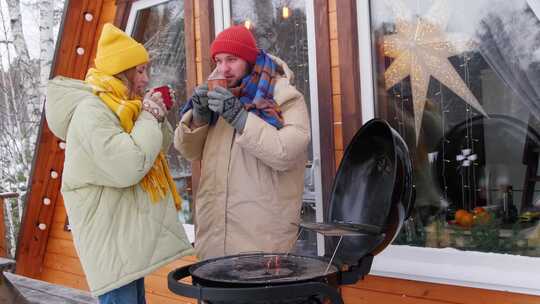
point(119, 234)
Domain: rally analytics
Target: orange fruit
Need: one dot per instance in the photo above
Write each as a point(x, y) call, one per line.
point(478, 210)
point(482, 218)
point(459, 214)
point(466, 220)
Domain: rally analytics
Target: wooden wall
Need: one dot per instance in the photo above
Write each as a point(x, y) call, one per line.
point(336, 87)
point(380, 290)
point(61, 264)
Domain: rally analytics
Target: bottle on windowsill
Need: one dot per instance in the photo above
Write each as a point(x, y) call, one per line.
point(508, 211)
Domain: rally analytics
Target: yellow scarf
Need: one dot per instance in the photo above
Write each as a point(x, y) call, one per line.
point(112, 91)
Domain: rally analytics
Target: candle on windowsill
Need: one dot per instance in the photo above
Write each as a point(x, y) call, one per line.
point(285, 12)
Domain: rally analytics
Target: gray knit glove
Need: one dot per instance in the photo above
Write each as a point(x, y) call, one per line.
point(201, 112)
point(223, 102)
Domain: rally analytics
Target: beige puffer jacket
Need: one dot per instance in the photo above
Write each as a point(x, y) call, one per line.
point(119, 234)
point(251, 185)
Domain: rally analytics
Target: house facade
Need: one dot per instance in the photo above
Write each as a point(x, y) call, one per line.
point(443, 74)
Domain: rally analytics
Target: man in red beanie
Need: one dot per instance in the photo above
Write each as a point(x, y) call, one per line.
point(252, 138)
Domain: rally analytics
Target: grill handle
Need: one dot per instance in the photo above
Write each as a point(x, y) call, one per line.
point(248, 294)
point(181, 288)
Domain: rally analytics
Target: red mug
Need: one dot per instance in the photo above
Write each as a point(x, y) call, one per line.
point(167, 93)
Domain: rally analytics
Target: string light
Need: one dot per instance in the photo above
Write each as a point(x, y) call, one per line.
point(470, 140)
point(285, 12)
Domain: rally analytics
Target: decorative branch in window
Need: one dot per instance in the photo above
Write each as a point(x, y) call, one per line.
point(421, 48)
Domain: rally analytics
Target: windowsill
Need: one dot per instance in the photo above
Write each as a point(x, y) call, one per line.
point(493, 271)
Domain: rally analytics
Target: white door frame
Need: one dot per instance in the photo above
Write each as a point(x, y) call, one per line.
point(365, 55)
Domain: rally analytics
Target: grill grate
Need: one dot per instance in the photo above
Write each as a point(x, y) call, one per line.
point(263, 268)
point(341, 228)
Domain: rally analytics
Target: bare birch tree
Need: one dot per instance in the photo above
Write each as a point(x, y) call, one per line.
point(18, 136)
point(22, 92)
point(46, 32)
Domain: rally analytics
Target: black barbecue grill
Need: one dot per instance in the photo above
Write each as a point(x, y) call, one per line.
point(371, 197)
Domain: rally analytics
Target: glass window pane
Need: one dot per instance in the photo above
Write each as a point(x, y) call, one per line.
point(161, 29)
point(459, 81)
point(280, 29)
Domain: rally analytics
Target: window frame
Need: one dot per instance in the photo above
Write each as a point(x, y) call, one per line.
point(136, 7)
point(494, 271)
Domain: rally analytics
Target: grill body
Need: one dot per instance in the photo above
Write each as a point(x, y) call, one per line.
point(371, 197)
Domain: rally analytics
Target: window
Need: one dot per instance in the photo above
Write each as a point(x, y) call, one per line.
point(159, 25)
point(458, 80)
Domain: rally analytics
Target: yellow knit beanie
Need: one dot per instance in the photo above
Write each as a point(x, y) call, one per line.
point(117, 52)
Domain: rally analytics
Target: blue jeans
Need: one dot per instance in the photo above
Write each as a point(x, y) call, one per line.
point(132, 293)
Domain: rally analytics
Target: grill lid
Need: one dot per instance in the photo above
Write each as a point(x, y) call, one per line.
point(372, 190)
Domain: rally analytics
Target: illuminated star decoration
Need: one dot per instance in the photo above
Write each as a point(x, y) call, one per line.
point(421, 48)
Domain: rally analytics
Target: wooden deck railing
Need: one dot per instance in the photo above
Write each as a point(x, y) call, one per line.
point(3, 237)
point(8, 195)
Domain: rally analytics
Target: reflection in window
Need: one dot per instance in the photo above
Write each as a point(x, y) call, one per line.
point(280, 29)
point(161, 29)
point(469, 111)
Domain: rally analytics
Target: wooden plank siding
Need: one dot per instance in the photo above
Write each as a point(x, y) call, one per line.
point(325, 62)
point(349, 71)
point(380, 290)
point(121, 16)
point(337, 119)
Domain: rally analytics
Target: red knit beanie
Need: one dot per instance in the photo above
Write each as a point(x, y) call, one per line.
point(236, 40)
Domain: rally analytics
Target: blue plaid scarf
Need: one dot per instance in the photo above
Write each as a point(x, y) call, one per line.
point(256, 92)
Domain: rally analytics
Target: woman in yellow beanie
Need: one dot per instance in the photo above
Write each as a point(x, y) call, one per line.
point(119, 195)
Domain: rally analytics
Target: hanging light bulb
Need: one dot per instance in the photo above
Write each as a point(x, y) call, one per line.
point(247, 24)
point(285, 12)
